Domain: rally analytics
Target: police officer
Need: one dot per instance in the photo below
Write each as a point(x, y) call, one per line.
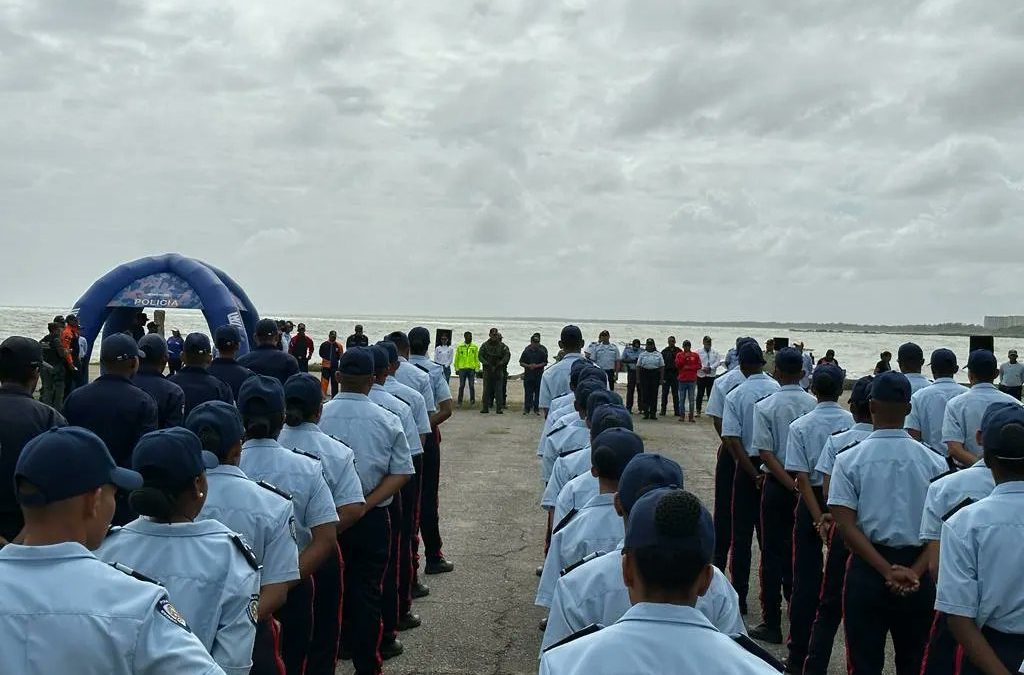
point(65, 481)
point(225, 368)
point(384, 466)
point(985, 605)
point(670, 382)
point(772, 417)
point(194, 378)
point(115, 409)
point(876, 496)
point(54, 378)
point(964, 412)
point(175, 345)
point(555, 380)
point(910, 358)
point(738, 436)
point(650, 367)
point(928, 404)
point(22, 418)
point(168, 396)
point(606, 356)
point(260, 512)
point(267, 358)
point(357, 339)
point(209, 571)
point(262, 405)
point(630, 354)
point(666, 565)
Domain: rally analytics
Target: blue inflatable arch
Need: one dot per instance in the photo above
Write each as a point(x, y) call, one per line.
point(169, 281)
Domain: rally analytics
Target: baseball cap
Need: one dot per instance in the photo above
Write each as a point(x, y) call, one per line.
point(891, 387)
point(909, 351)
point(591, 372)
point(1003, 435)
point(609, 416)
point(861, 392)
point(22, 352)
point(227, 336)
point(789, 360)
point(266, 327)
point(153, 346)
point(571, 334)
point(1012, 352)
point(391, 349)
point(197, 343)
point(646, 472)
point(260, 394)
point(66, 462)
point(356, 361)
point(381, 361)
point(944, 358)
point(983, 363)
point(750, 354)
point(830, 371)
point(601, 397)
point(304, 387)
point(176, 452)
point(220, 418)
point(616, 447)
point(119, 347)
point(584, 389)
point(647, 525)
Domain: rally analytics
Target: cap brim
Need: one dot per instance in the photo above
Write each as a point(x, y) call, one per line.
point(126, 479)
point(141, 354)
point(210, 460)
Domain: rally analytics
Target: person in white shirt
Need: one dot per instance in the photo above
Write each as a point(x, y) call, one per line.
point(709, 362)
point(444, 354)
point(1011, 376)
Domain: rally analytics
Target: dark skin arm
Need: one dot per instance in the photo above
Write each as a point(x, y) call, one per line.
point(324, 538)
point(820, 518)
point(958, 452)
point(390, 485)
point(272, 598)
point(735, 446)
point(899, 579)
point(932, 551)
point(443, 413)
point(915, 434)
point(349, 515)
point(773, 464)
point(977, 647)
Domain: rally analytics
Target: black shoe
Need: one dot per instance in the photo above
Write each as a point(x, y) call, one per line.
point(526, 412)
point(663, 412)
point(344, 654)
point(540, 570)
point(543, 624)
point(500, 411)
point(536, 412)
point(484, 411)
point(420, 590)
point(408, 621)
point(765, 633)
point(653, 416)
point(439, 566)
point(389, 649)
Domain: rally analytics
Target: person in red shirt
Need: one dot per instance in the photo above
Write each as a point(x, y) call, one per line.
point(301, 347)
point(687, 366)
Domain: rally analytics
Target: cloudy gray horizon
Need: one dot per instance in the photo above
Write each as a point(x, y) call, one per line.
point(652, 159)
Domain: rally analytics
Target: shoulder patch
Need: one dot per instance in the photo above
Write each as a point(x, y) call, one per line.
point(949, 514)
point(571, 452)
point(273, 488)
point(760, 652)
point(592, 628)
point(252, 609)
point(847, 447)
point(565, 521)
point(943, 475)
point(582, 561)
point(133, 574)
point(305, 454)
point(165, 609)
point(555, 428)
point(247, 553)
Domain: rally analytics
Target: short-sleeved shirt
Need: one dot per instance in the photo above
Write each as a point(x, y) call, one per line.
point(382, 397)
point(720, 390)
point(808, 435)
point(885, 480)
point(917, 382)
point(629, 357)
point(555, 381)
point(839, 442)
point(440, 387)
point(115, 410)
point(1011, 374)
point(774, 414)
point(979, 543)
point(650, 360)
point(568, 466)
point(738, 421)
point(200, 386)
point(559, 406)
point(336, 459)
point(169, 397)
point(952, 492)
point(230, 372)
point(571, 436)
point(604, 356)
point(964, 412)
point(928, 409)
point(270, 361)
point(413, 377)
point(414, 400)
point(575, 494)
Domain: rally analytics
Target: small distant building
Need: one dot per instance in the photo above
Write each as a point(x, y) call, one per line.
point(999, 322)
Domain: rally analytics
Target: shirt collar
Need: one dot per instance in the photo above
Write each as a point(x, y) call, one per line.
point(1010, 487)
point(402, 359)
point(110, 377)
point(260, 443)
point(377, 387)
point(889, 433)
point(199, 527)
point(756, 376)
point(572, 356)
point(945, 379)
point(12, 389)
point(350, 396)
point(863, 426)
point(984, 385)
point(791, 387)
point(601, 499)
point(63, 551)
point(650, 611)
point(227, 470)
point(827, 404)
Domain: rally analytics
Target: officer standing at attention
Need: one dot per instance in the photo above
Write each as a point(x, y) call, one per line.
point(772, 417)
point(630, 354)
point(666, 565)
point(964, 412)
point(877, 494)
point(467, 362)
point(225, 368)
point(262, 405)
point(709, 363)
point(670, 381)
point(985, 605)
point(910, 358)
point(357, 339)
point(194, 379)
point(175, 344)
point(261, 513)
point(738, 436)
point(928, 405)
point(605, 356)
point(169, 398)
point(65, 481)
point(54, 378)
point(267, 358)
point(650, 367)
point(209, 571)
point(555, 380)
point(1011, 376)
point(22, 418)
point(494, 357)
point(533, 361)
point(115, 409)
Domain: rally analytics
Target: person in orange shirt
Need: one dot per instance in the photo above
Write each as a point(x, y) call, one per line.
point(69, 340)
point(687, 367)
point(330, 354)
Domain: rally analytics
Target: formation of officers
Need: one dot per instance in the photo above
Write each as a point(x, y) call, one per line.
point(899, 515)
point(223, 520)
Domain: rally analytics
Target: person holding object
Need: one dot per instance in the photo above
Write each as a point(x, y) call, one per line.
point(467, 362)
point(533, 360)
point(444, 355)
point(629, 357)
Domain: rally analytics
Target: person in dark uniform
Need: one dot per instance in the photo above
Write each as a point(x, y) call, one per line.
point(301, 347)
point(115, 409)
point(225, 368)
point(267, 358)
point(139, 329)
point(330, 353)
point(169, 398)
point(22, 418)
point(670, 381)
point(54, 378)
point(357, 339)
point(175, 344)
point(533, 360)
point(194, 378)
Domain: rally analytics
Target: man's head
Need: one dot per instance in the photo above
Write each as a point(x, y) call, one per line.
point(650, 345)
point(197, 351)
point(769, 345)
point(359, 329)
point(443, 339)
point(175, 332)
point(152, 328)
point(535, 339)
point(219, 428)
point(419, 340)
point(789, 366)
point(686, 345)
point(886, 356)
point(611, 451)
point(584, 388)
point(302, 329)
point(571, 339)
point(53, 328)
point(468, 337)
point(943, 363)
point(173, 466)
point(227, 338)
point(120, 354)
point(59, 320)
point(827, 382)
point(1012, 356)
point(830, 355)
point(910, 357)
point(72, 321)
point(401, 342)
point(751, 358)
point(21, 359)
point(599, 398)
point(578, 368)
point(492, 335)
point(261, 403)
point(141, 319)
point(890, 400)
point(392, 352)
point(1002, 437)
point(671, 340)
point(155, 350)
point(332, 336)
point(982, 366)
point(860, 400)
point(707, 342)
point(603, 337)
point(355, 371)
point(635, 343)
point(267, 332)
point(609, 416)
point(289, 326)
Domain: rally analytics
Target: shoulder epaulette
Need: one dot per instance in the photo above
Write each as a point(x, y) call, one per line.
point(582, 561)
point(592, 628)
point(841, 431)
point(760, 652)
point(401, 399)
point(848, 447)
point(113, 529)
point(555, 429)
point(338, 439)
point(564, 521)
point(943, 475)
point(250, 556)
point(423, 368)
point(273, 488)
point(571, 452)
point(133, 574)
point(763, 397)
point(949, 514)
point(305, 454)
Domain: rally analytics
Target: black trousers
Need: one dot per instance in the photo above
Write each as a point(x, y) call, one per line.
point(725, 473)
point(410, 531)
point(303, 364)
point(296, 617)
point(365, 549)
point(1014, 392)
point(670, 387)
point(703, 389)
point(633, 389)
point(746, 520)
point(649, 381)
point(1009, 648)
point(941, 654)
point(611, 379)
point(390, 604)
point(494, 391)
point(808, 561)
point(328, 378)
point(830, 607)
point(328, 582)
point(531, 391)
point(777, 504)
point(266, 650)
point(871, 611)
point(430, 526)
point(173, 366)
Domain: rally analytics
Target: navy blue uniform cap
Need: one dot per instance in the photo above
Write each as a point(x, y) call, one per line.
point(266, 327)
point(646, 472)
point(644, 530)
point(22, 352)
point(119, 347)
point(419, 334)
point(220, 417)
point(789, 360)
point(891, 387)
point(227, 336)
point(153, 346)
point(304, 387)
point(261, 394)
point(381, 360)
point(571, 333)
point(983, 363)
point(176, 452)
point(910, 351)
point(197, 343)
point(356, 361)
point(391, 349)
point(750, 354)
point(862, 390)
point(601, 397)
point(609, 416)
point(944, 357)
point(832, 372)
point(1002, 431)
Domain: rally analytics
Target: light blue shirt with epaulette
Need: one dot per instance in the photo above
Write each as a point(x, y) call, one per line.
point(604, 356)
point(917, 382)
point(298, 475)
point(569, 464)
point(575, 494)
point(572, 436)
point(772, 417)
point(649, 636)
point(375, 436)
point(439, 383)
point(596, 527)
point(414, 400)
point(738, 420)
point(65, 611)
point(885, 480)
point(836, 443)
point(928, 409)
point(951, 492)
point(555, 380)
point(594, 593)
point(720, 389)
point(559, 407)
point(210, 576)
point(963, 415)
point(379, 395)
point(556, 420)
point(262, 515)
point(982, 546)
point(411, 376)
point(336, 458)
point(808, 435)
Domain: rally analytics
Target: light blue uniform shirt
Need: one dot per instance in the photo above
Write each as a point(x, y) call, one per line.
point(438, 382)
point(383, 398)
point(300, 476)
point(575, 494)
point(917, 382)
point(646, 639)
point(772, 417)
point(413, 377)
point(805, 381)
point(567, 466)
point(555, 380)
point(559, 407)
point(738, 421)
point(596, 527)
point(946, 494)
point(207, 576)
point(336, 459)
point(575, 434)
point(731, 359)
point(65, 611)
point(964, 412)
point(650, 360)
point(885, 480)
point(837, 443)
point(411, 398)
point(263, 517)
point(375, 436)
point(720, 389)
point(604, 356)
point(556, 420)
point(595, 593)
point(982, 546)
point(928, 409)
point(808, 435)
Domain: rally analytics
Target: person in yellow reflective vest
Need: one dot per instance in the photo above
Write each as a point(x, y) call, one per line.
point(467, 363)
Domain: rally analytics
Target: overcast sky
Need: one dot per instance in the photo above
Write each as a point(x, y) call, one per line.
point(656, 159)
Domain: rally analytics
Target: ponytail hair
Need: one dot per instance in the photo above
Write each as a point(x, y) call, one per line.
point(298, 411)
point(263, 425)
point(158, 496)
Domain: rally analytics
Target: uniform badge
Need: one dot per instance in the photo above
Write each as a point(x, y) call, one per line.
point(253, 608)
point(171, 613)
